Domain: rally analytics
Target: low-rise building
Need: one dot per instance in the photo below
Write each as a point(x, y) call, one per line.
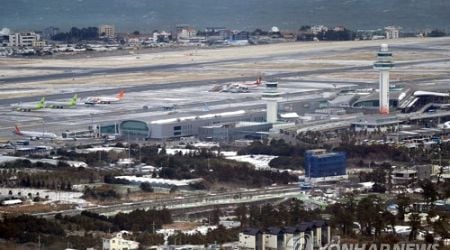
point(392, 32)
point(160, 37)
point(185, 33)
point(306, 235)
point(273, 238)
point(118, 242)
point(28, 39)
point(402, 176)
point(250, 238)
point(39, 43)
point(107, 30)
point(292, 236)
point(316, 29)
point(339, 28)
point(426, 171)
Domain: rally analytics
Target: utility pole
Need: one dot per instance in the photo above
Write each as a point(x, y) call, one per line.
point(129, 145)
point(43, 126)
point(441, 168)
point(140, 155)
point(92, 125)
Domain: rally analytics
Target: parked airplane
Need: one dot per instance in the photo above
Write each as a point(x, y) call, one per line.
point(445, 125)
point(253, 84)
point(27, 107)
point(34, 135)
point(237, 87)
point(105, 99)
point(61, 105)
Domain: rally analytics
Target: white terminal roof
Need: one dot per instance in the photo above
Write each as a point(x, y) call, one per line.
point(187, 118)
point(289, 115)
point(421, 93)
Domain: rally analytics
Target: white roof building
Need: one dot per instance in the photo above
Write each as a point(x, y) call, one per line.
point(118, 242)
point(25, 40)
point(392, 32)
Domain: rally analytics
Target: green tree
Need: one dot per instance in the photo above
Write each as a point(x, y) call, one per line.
point(215, 216)
point(254, 216)
point(430, 193)
point(403, 202)
point(173, 189)
point(437, 33)
point(414, 223)
point(146, 187)
point(367, 214)
point(294, 210)
point(241, 214)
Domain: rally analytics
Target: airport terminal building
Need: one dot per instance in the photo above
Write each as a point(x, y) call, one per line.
point(180, 126)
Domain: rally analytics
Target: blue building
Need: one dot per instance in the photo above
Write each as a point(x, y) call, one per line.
point(319, 163)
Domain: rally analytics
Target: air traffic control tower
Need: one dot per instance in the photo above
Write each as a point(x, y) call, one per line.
point(272, 96)
point(384, 64)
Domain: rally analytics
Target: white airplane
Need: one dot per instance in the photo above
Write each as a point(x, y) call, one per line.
point(28, 107)
point(238, 87)
point(34, 135)
point(61, 105)
point(105, 99)
point(445, 125)
point(253, 84)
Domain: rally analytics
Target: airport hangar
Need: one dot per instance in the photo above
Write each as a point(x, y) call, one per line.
point(236, 125)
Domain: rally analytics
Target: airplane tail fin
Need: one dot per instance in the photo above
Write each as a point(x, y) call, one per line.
point(17, 129)
point(258, 80)
point(121, 95)
point(73, 100)
point(41, 103)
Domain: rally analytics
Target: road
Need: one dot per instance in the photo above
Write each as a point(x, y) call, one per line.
point(194, 201)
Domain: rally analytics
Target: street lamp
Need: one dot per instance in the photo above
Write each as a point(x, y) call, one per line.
point(92, 124)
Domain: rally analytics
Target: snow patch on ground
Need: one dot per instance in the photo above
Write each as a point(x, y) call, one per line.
point(259, 161)
point(64, 197)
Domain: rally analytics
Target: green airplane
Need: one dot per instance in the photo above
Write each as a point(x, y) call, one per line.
point(72, 103)
point(28, 107)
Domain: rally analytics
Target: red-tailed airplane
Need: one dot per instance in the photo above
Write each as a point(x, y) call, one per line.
point(34, 135)
point(105, 99)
